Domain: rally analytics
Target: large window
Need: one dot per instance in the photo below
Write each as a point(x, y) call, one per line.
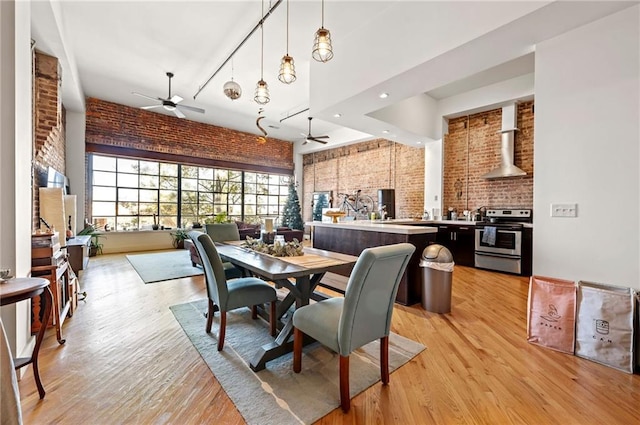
point(129, 194)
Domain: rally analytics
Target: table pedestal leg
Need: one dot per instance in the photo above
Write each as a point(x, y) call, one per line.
point(283, 344)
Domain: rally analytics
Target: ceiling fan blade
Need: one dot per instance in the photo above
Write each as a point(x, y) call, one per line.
point(314, 139)
point(191, 108)
point(145, 96)
point(176, 99)
point(179, 113)
point(150, 107)
point(320, 137)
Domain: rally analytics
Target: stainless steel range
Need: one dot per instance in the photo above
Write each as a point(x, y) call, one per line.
point(499, 240)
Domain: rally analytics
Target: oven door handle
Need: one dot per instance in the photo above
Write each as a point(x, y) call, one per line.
point(495, 254)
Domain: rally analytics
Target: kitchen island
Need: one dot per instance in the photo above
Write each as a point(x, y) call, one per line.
point(352, 237)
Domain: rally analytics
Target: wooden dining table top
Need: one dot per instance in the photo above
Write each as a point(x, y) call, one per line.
point(276, 268)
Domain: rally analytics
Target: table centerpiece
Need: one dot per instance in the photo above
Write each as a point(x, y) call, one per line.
point(277, 249)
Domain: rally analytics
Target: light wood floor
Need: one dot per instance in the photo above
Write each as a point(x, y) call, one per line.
point(127, 360)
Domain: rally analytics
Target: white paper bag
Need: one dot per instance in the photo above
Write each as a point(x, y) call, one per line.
point(604, 325)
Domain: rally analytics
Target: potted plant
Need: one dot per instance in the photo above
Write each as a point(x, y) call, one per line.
point(155, 225)
point(96, 247)
point(221, 217)
point(179, 237)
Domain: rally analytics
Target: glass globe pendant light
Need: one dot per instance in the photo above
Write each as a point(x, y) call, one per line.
point(232, 89)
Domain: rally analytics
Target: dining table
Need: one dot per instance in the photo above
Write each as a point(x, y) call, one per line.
point(299, 275)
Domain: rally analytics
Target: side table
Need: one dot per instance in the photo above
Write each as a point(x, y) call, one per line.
point(19, 289)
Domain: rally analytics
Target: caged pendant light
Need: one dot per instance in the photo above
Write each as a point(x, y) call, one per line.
point(322, 49)
point(232, 89)
point(287, 68)
point(262, 89)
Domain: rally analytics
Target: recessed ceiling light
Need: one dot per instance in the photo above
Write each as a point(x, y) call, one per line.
point(337, 115)
point(385, 131)
point(384, 95)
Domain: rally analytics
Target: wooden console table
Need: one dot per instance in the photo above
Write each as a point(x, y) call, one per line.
point(78, 250)
point(15, 290)
point(62, 290)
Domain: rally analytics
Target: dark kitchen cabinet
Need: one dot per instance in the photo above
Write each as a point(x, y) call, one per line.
point(460, 239)
point(527, 251)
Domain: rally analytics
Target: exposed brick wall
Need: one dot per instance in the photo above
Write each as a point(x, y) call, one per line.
point(369, 166)
point(123, 126)
point(49, 125)
point(470, 152)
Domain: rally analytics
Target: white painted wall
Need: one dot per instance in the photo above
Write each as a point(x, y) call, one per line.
point(15, 150)
point(420, 35)
point(416, 114)
point(587, 152)
point(433, 176)
point(139, 240)
point(75, 166)
point(486, 98)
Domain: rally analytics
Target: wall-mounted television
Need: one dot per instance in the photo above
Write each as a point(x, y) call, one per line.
point(57, 179)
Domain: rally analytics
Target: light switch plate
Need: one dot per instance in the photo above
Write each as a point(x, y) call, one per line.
point(564, 210)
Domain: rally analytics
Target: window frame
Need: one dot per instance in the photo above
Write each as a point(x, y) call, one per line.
point(228, 186)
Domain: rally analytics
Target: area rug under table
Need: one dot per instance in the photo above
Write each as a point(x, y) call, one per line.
point(165, 265)
point(276, 395)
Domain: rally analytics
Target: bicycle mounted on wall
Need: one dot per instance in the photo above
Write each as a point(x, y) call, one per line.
point(356, 205)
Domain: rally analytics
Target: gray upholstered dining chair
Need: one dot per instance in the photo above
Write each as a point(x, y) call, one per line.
point(232, 294)
point(220, 232)
point(363, 315)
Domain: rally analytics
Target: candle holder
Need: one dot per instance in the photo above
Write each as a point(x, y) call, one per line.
point(267, 237)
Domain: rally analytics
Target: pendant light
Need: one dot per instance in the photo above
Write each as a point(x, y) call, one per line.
point(262, 89)
point(322, 50)
point(287, 68)
point(232, 89)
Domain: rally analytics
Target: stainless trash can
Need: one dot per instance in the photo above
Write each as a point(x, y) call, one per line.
point(437, 270)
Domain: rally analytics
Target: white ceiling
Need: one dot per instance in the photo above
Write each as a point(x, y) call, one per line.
point(108, 49)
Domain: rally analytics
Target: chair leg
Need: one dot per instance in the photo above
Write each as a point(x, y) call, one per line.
point(272, 318)
point(254, 312)
point(297, 350)
point(345, 400)
point(223, 326)
point(384, 360)
point(210, 313)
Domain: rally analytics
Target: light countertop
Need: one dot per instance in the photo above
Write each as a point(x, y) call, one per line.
point(403, 222)
point(377, 226)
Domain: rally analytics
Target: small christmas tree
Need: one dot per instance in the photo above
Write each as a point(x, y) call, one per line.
point(291, 216)
point(321, 203)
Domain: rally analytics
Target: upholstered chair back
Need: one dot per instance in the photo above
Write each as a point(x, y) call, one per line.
point(220, 232)
point(213, 270)
point(370, 294)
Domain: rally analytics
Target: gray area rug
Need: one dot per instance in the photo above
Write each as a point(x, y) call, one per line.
point(166, 265)
point(276, 395)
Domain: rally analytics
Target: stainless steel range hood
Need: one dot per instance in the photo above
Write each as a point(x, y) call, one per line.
point(507, 168)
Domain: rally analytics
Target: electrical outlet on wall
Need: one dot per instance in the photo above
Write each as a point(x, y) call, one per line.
point(564, 210)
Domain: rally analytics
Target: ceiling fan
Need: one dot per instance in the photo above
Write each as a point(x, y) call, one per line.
point(310, 138)
point(171, 102)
